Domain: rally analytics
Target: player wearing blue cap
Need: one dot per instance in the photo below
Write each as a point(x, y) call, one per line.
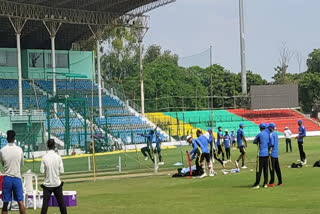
point(300, 137)
point(263, 142)
point(233, 139)
point(227, 144)
point(149, 148)
point(213, 153)
point(158, 148)
point(220, 143)
point(241, 146)
point(274, 156)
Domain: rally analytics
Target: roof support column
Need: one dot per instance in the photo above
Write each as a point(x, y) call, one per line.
point(53, 28)
point(97, 33)
point(18, 24)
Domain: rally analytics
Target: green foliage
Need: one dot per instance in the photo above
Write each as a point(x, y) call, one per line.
point(313, 62)
point(309, 88)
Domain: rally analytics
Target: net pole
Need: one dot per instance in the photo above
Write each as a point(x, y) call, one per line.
point(92, 138)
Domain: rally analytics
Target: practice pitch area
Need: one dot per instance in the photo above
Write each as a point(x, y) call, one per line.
point(220, 194)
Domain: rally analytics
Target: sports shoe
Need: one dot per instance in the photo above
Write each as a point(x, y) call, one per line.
point(211, 174)
point(270, 185)
point(161, 163)
point(298, 161)
point(265, 186)
point(203, 175)
point(255, 187)
point(146, 158)
point(244, 167)
point(305, 162)
point(280, 185)
point(236, 164)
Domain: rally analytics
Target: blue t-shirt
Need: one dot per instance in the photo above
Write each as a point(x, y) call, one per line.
point(204, 143)
point(263, 141)
point(233, 137)
point(302, 133)
point(211, 139)
point(149, 140)
point(274, 144)
point(219, 137)
point(158, 142)
point(194, 150)
point(240, 136)
point(226, 141)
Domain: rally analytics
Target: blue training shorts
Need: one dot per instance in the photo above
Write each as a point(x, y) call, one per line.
point(12, 185)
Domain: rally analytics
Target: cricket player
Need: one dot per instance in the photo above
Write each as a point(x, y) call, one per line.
point(227, 144)
point(263, 142)
point(274, 160)
point(51, 166)
point(158, 148)
point(149, 148)
point(233, 139)
point(204, 154)
point(213, 149)
point(300, 137)
point(220, 143)
point(287, 134)
point(11, 157)
point(241, 146)
point(195, 154)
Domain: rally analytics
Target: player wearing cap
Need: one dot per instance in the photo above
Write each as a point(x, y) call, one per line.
point(213, 152)
point(241, 146)
point(274, 156)
point(158, 148)
point(233, 139)
point(300, 137)
point(220, 143)
point(263, 142)
point(149, 148)
point(227, 144)
point(287, 134)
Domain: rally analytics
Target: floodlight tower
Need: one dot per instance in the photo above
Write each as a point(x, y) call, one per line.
point(242, 50)
point(142, 26)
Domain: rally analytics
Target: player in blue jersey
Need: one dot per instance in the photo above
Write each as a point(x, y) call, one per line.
point(263, 142)
point(300, 137)
point(213, 152)
point(158, 148)
point(220, 142)
point(274, 156)
point(241, 146)
point(233, 139)
point(149, 148)
point(203, 147)
point(195, 154)
point(227, 144)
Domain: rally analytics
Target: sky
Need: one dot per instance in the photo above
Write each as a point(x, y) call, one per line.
point(188, 27)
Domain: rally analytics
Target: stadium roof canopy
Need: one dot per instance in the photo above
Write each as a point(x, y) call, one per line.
point(75, 16)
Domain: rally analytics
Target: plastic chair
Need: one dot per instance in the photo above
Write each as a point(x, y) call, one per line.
point(30, 188)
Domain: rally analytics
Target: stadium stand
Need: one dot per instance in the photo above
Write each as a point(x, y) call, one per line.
point(282, 117)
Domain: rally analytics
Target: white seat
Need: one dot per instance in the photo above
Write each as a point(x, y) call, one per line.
point(30, 187)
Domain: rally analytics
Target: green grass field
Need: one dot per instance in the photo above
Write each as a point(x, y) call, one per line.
point(220, 194)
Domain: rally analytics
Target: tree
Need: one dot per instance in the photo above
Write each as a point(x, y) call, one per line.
point(309, 91)
point(281, 69)
point(313, 61)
